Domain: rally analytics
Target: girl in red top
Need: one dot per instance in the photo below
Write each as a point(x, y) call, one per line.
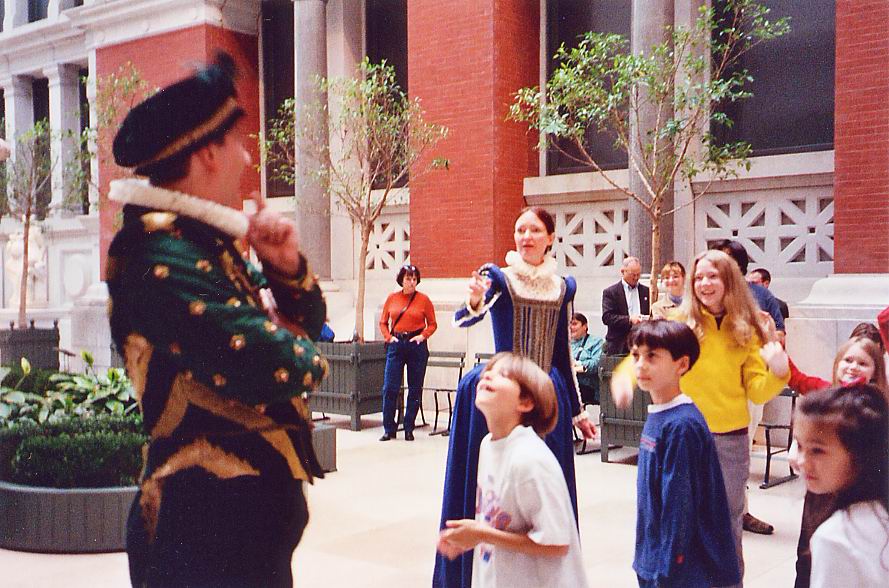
point(408, 319)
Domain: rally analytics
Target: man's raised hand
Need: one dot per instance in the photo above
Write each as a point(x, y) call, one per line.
point(274, 238)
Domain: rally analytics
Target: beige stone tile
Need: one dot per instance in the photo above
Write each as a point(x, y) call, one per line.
point(374, 522)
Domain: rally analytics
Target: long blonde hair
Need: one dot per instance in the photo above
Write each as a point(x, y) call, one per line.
point(741, 311)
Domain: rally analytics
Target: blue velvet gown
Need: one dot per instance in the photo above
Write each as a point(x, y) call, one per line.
point(468, 425)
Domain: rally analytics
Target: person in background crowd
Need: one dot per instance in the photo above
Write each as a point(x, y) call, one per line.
point(764, 298)
point(673, 276)
point(763, 277)
point(587, 351)
point(803, 383)
point(407, 321)
point(624, 304)
point(767, 303)
point(327, 334)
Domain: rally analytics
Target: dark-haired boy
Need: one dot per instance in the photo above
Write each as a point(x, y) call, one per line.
point(683, 530)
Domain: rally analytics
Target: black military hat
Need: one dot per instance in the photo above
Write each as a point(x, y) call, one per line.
point(180, 117)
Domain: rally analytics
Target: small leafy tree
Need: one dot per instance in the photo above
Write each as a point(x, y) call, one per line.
point(373, 140)
point(599, 86)
point(116, 94)
point(27, 194)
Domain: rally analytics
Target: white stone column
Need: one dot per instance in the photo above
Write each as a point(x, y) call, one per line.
point(651, 21)
point(686, 14)
point(15, 14)
point(64, 120)
point(312, 202)
point(91, 93)
point(345, 49)
point(18, 95)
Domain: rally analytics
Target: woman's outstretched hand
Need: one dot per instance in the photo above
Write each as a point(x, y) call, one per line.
point(622, 389)
point(776, 358)
point(478, 286)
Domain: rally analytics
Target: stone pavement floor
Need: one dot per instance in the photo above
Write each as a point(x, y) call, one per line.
point(374, 522)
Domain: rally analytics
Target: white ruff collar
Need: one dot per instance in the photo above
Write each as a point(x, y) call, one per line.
point(141, 193)
point(533, 281)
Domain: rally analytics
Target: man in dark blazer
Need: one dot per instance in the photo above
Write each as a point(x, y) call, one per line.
point(623, 305)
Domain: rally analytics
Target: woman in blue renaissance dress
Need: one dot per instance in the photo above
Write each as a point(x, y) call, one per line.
point(529, 307)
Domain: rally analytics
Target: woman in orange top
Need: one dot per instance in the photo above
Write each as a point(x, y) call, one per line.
point(408, 319)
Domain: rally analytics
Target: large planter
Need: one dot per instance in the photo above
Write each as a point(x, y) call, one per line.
point(60, 520)
point(619, 426)
point(39, 346)
point(354, 383)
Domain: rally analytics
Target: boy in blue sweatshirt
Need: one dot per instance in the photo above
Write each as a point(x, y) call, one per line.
point(683, 531)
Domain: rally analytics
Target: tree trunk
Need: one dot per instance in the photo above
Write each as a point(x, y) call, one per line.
point(362, 272)
point(655, 259)
point(23, 289)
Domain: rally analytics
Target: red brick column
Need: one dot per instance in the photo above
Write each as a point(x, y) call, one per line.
point(861, 198)
point(466, 59)
point(166, 58)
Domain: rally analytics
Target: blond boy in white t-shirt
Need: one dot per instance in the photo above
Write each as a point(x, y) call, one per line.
point(524, 533)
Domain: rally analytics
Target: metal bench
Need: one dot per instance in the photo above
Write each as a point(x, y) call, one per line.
point(483, 357)
point(767, 482)
point(454, 360)
point(619, 426)
point(448, 360)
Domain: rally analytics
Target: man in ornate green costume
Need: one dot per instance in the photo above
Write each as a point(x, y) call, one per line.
point(220, 354)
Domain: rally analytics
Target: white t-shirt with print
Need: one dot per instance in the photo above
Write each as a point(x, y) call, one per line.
point(521, 489)
point(851, 548)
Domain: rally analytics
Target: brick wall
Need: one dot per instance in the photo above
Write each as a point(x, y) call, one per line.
point(465, 60)
point(166, 58)
point(862, 137)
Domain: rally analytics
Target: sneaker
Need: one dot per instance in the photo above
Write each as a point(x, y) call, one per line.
point(387, 437)
point(408, 436)
point(754, 525)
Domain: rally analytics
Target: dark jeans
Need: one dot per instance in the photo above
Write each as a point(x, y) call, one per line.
point(414, 356)
point(218, 533)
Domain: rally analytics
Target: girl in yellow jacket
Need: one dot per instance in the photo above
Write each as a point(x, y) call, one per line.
point(738, 361)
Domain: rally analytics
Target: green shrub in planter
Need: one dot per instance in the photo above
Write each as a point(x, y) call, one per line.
point(72, 425)
point(76, 452)
point(86, 460)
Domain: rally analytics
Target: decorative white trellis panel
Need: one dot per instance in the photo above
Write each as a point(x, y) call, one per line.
point(390, 243)
point(591, 237)
point(788, 231)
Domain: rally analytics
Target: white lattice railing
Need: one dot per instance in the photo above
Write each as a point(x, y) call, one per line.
point(390, 242)
point(591, 237)
point(788, 232)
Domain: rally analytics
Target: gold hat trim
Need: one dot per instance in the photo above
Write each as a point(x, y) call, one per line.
point(196, 134)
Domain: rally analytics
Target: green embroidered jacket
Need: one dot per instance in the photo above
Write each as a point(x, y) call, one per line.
point(220, 384)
